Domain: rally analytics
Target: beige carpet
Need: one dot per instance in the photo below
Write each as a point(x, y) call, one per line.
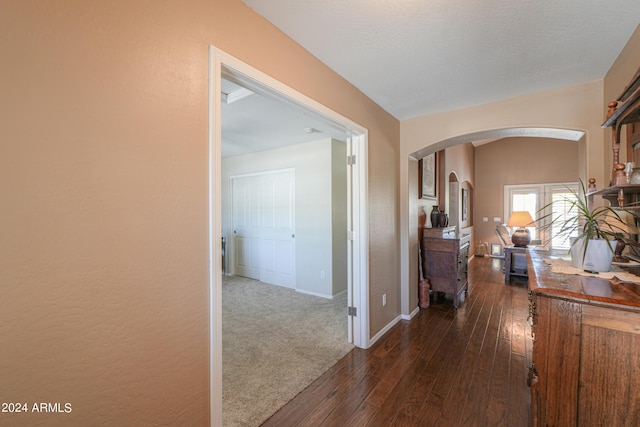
point(275, 342)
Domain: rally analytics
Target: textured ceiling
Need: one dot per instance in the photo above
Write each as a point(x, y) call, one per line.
point(417, 57)
point(253, 122)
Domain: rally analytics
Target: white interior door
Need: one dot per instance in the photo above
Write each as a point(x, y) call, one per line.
point(264, 227)
point(278, 232)
point(246, 227)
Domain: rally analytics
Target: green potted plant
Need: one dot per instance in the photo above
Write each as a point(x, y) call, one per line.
point(593, 233)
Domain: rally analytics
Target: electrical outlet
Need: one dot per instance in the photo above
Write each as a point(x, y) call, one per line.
point(485, 219)
point(384, 299)
point(496, 219)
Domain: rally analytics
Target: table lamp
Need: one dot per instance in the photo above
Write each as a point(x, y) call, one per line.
point(521, 219)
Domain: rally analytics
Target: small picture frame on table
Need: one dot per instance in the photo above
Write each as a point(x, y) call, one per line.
point(497, 251)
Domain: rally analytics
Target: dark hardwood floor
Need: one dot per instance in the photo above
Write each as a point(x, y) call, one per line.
point(445, 367)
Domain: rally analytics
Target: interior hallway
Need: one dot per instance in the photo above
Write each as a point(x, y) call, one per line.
point(445, 367)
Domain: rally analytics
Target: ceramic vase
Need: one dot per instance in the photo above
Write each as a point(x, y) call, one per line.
point(443, 219)
point(435, 217)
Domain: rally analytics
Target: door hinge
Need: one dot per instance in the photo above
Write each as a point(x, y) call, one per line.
point(352, 311)
point(351, 160)
point(351, 235)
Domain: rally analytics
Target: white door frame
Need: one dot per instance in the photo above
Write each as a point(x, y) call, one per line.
point(358, 249)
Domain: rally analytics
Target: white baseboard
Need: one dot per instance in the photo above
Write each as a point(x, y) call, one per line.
point(316, 294)
point(338, 294)
point(384, 331)
point(410, 315)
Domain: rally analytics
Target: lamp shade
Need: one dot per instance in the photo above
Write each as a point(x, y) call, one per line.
point(521, 219)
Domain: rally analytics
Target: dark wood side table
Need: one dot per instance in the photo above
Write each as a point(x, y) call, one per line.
point(515, 262)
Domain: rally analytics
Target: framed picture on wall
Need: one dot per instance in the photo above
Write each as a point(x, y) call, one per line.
point(427, 176)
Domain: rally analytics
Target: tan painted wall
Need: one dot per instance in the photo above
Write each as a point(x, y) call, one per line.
point(103, 254)
point(408, 297)
point(517, 161)
point(339, 214)
point(461, 160)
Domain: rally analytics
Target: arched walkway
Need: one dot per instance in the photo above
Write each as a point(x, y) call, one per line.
point(455, 187)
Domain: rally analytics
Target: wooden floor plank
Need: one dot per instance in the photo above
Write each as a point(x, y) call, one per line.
point(456, 350)
point(488, 351)
point(347, 405)
point(517, 413)
point(354, 387)
point(360, 417)
point(412, 406)
point(445, 367)
point(457, 398)
point(499, 388)
point(476, 409)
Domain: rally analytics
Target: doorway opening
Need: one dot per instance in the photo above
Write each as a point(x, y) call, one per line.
point(223, 66)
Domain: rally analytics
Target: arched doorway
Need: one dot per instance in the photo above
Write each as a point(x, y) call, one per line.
point(454, 187)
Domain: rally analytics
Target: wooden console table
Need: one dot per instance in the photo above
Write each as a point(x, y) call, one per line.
point(586, 347)
point(510, 269)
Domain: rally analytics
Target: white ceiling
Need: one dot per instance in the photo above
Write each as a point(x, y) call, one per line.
point(417, 57)
point(252, 122)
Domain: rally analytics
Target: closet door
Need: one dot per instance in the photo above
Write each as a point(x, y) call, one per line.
point(264, 227)
point(277, 229)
